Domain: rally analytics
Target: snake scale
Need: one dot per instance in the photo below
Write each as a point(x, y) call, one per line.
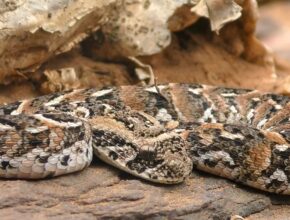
point(159, 133)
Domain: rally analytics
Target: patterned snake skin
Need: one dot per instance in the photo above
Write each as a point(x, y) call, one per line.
point(157, 133)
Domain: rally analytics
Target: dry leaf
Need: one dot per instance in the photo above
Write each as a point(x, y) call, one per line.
point(219, 12)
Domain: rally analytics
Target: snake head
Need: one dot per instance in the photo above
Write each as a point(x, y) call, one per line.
point(137, 143)
point(161, 159)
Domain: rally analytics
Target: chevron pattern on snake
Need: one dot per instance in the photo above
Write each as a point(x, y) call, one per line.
point(159, 133)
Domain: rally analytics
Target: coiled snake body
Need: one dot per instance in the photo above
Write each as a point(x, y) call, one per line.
point(157, 133)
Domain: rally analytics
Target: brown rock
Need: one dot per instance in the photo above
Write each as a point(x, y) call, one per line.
point(103, 192)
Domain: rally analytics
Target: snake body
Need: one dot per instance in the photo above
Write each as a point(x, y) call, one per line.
point(158, 133)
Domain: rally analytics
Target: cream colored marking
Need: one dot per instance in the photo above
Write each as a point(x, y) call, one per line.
point(281, 147)
point(61, 124)
point(197, 91)
point(55, 101)
point(5, 127)
point(233, 109)
point(256, 99)
point(217, 156)
point(154, 90)
point(208, 115)
point(261, 123)
point(234, 115)
point(108, 107)
point(163, 115)
point(232, 136)
point(279, 175)
point(36, 129)
point(229, 94)
point(20, 108)
point(102, 92)
point(83, 110)
point(250, 115)
point(62, 97)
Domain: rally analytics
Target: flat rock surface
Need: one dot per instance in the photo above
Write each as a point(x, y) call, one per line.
point(103, 192)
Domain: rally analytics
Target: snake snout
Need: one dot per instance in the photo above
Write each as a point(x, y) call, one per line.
point(169, 163)
point(177, 167)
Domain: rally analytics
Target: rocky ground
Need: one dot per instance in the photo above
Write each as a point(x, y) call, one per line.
point(103, 192)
